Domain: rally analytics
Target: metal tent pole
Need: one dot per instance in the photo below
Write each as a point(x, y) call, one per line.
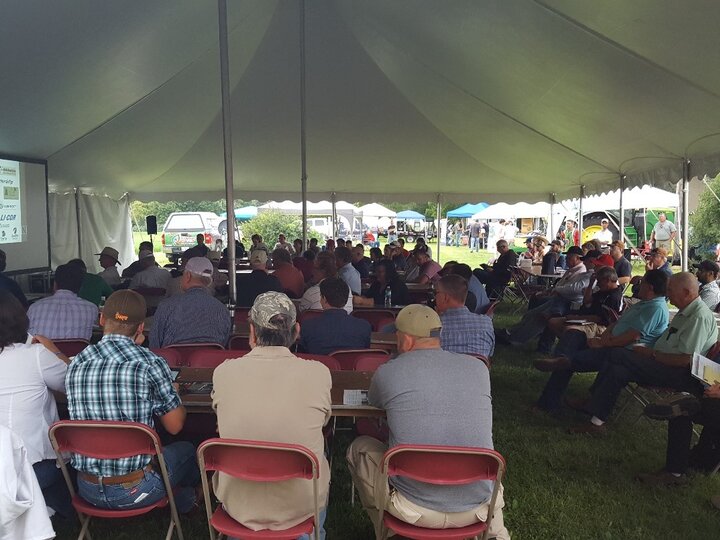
point(303, 147)
point(227, 146)
point(77, 222)
point(551, 221)
point(621, 236)
point(439, 210)
point(333, 196)
point(580, 213)
point(685, 214)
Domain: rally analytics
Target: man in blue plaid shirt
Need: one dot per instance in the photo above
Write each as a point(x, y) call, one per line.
point(462, 331)
point(119, 380)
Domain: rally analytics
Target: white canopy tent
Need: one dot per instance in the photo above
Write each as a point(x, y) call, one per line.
point(517, 210)
point(644, 197)
point(349, 213)
point(377, 211)
point(410, 100)
point(510, 100)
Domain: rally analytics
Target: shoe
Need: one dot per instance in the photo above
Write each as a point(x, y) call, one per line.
point(588, 429)
point(682, 404)
point(662, 479)
point(561, 363)
point(715, 500)
point(502, 336)
point(579, 404)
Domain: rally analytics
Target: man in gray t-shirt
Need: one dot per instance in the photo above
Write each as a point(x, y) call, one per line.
point(430, 396)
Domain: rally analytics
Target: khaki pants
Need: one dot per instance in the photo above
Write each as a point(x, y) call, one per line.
point(590, 330)
point(364, 458)
point(666, 245)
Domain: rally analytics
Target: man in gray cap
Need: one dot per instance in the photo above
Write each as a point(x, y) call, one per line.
point(431, 396)
point(272, 395)
point(195, 316)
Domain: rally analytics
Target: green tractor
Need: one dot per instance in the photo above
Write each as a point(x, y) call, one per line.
point(639, 223)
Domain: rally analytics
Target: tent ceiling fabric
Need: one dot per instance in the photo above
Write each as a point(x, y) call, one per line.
point(503, 100)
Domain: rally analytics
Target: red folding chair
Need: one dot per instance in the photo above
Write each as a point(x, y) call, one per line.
point(378, 318)
point(111, 440)
point(348, 358)
point(309, 314)
point(186, 349)
point(173, 358)
point(446, 466)
point(370, 362)
point(331, 363)
point(71, 347)
point(241, 315)
point(257, 461)
point(239, 343)
point(211, 358)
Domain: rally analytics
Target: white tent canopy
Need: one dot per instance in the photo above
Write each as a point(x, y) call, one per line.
point(377, 211)
point(644, 197)
point(504, 99)
point(517, 210)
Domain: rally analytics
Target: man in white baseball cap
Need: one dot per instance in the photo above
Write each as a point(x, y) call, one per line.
point(195, 316)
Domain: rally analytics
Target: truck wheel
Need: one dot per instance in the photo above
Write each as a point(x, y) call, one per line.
point(222, 228)
point(410, 239)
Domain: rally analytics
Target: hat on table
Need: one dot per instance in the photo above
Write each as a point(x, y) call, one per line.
point(110, 252)
point(270, 304)
point(419, 321)
point(200, 266)
point(125, 306)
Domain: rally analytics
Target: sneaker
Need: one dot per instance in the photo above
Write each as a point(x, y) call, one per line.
point(681, 404)
point(662, 479)
point(561, 363)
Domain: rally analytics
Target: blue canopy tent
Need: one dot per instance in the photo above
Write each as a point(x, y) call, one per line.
point(245, 213)
point(409, 214)
point(467, 210)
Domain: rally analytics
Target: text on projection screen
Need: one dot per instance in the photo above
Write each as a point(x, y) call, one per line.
point(11, 225)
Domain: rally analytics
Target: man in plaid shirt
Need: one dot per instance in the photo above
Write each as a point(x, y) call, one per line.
point(462, 331)
point(119, 380)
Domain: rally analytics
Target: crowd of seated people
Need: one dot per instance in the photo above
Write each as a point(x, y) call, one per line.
point(444, 353)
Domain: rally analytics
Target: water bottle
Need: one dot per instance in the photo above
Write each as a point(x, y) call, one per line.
point(388, 296)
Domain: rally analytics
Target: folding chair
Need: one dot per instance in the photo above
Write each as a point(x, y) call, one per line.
point(111, 440)
point(240, 343)
point(521, 284)
point(241, 315)
point(378, 318)
point(331, 363)
point(173, 358)
point(71, 347)
point(186, 349)
point(257, 461)
point(348, 358)
point(489, 310)
point(153, 296)
point(211, 358)
point(447, 466)
point(309, 314)
point(370, 362)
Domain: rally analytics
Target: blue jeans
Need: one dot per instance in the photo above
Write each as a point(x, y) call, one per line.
point(535, 319)
point(584, 361)
point(53, 487)
point(474, 243)
point(323, 514)
point(182, 469)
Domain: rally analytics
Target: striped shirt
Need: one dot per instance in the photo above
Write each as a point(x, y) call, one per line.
point(466, 332)
point(63, 316)
point(193, 317)
point(121, 381)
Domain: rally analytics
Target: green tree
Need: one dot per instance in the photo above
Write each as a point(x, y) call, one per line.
point(705, 221)
point(273, 223)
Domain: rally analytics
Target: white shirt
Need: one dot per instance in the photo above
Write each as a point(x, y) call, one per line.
point(605, 236)
point(311, 300)
point(111, 276)
point(27, 406)
point(23, 514)
point(151, 278)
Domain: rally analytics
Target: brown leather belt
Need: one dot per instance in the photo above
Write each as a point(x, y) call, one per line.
point(128, 478)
